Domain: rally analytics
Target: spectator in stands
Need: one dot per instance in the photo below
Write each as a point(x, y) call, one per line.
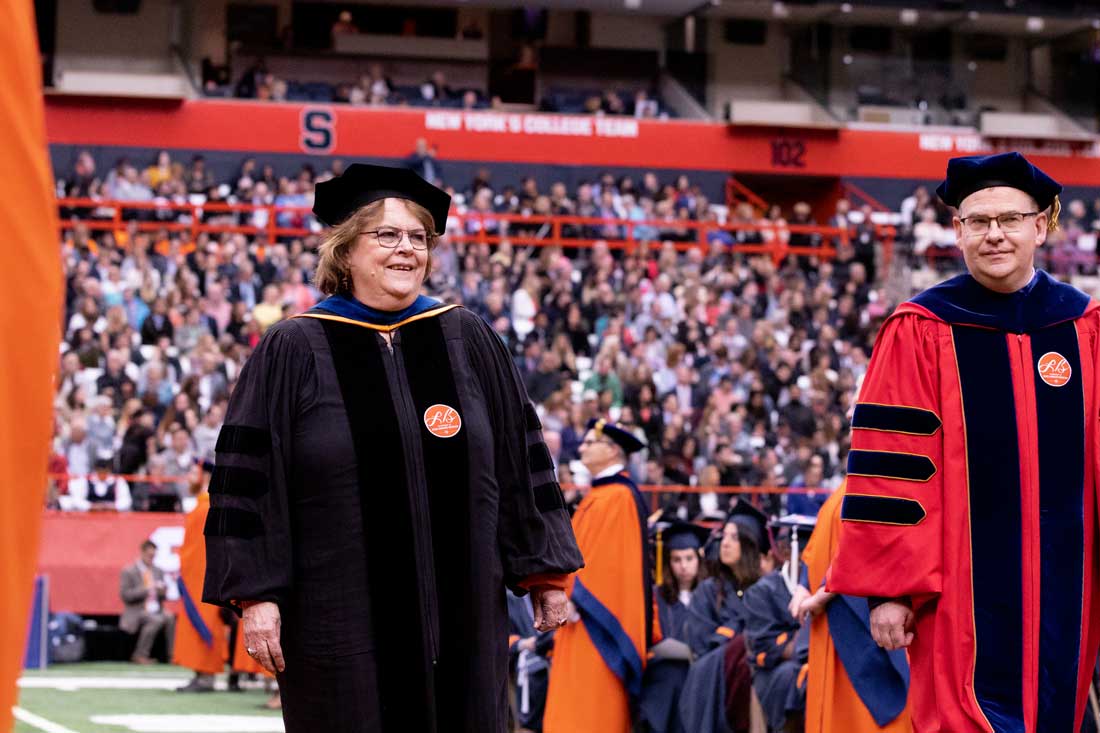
point(104, 491)
point(436, 90)
point(143, 591)
point(344, 26)
point(83, 182)
point(423, 162)
point(179, 461)
point(644, 107)
point(157, 324)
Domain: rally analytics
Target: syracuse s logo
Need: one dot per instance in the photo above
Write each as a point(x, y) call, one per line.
point(317, 130)
point(1054, 369)
point(442, 421)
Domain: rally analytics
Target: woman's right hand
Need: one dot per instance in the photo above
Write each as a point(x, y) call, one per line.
point(262, 626)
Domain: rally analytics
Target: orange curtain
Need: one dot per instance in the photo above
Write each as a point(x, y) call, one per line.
point(30, 318)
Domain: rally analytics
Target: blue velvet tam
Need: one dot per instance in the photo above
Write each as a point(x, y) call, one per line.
point(972, 173)
point(337, 199)
point(620, 436)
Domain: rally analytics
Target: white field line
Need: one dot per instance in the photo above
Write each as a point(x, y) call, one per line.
point(39, 722)
point(70, 684)
point(192, 723)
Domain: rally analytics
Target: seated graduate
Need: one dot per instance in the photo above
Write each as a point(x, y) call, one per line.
point(777, 643)
point(715, 612)
point(529, 652)
point(679, 552)
point(679, 571)
point(717, 692)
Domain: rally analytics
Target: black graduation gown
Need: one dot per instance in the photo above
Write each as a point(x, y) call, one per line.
point(769, 628)
point(386, 546)
point(664, 678)
point(710, 622)
point(710, 628)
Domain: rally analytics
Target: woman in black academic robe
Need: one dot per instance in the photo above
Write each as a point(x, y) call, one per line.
point(679, 546)
point(717, 690)
point(381, 478)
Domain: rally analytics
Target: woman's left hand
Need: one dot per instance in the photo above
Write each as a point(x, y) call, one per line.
point(550, 606)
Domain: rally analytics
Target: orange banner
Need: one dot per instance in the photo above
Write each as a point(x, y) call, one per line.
point(365, 132)
point(30, 329)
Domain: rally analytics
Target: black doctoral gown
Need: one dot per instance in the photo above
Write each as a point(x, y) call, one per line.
point(344, 492)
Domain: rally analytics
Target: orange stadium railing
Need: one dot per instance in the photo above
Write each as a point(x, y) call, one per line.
point(652, 489)
point(468, 226)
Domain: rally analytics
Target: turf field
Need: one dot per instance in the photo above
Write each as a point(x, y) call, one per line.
point(103, 697)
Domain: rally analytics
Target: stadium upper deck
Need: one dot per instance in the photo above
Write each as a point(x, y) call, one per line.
point(870, 94)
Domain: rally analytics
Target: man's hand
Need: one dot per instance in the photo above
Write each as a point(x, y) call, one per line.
point(551, 608)
point(800, 594)
point(262, 626)
point(891, 625)
point(815, 604)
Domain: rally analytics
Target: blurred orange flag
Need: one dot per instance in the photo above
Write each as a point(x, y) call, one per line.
point(30, 325)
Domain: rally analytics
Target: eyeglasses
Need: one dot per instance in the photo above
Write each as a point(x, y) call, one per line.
point(390, 237)
point(593, 441)
point(1008, 222)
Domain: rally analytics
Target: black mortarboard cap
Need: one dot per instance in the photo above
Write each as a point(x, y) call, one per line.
point(679, 535)
point(751, 523)
point(360, 184)
point(622, 437)
point(972, 173)
point(803, 524)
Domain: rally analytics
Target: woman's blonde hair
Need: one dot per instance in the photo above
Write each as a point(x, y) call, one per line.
point(333, 270)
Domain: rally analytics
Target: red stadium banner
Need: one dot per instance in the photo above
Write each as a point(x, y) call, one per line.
point(488, 136)
point(83, 554)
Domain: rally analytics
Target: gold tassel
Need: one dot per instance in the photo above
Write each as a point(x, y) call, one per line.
point(660, 558)
point(1052, 218)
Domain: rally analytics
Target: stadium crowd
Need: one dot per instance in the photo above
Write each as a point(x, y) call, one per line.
point(736, 371)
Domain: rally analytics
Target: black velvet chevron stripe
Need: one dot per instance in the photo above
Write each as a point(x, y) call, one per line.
point(881, 509)
point(238, 481)
point(886, 464)
point(538, 458)
point(895, 419)
point(232, 522)
point(548, 497)
point(243, 439)
point(531, 418)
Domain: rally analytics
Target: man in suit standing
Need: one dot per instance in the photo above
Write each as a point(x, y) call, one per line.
point(143, 590)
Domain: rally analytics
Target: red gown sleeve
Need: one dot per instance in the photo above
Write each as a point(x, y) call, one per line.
point(892, 539)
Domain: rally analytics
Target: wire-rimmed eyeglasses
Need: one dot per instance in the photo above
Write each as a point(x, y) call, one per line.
point(1010, 221)
point(390, 237)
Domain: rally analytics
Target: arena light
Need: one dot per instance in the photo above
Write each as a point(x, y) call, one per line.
point(780, 10)
point(1035, 24)
point(973, 16)
point(909, 16)
point(632, 4)
point(1096, 24)
point(845, 7)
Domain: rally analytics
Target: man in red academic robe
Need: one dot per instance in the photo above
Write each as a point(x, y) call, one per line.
point(971, 509)
point(596, 673)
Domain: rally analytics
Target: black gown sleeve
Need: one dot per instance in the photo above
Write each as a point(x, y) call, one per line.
point(248, 538)
point(769, 626)
point(534, 531)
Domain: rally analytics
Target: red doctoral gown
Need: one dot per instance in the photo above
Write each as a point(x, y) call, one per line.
point(972, 491)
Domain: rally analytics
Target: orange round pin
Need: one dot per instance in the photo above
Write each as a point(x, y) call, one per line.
point(1054, 369)
point(442, 421)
